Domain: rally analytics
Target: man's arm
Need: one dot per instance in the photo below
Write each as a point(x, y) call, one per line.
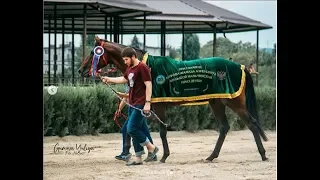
point(147, 105)
point(116, 80)
point(123, 95)
point(122, 103)
point(148, 90)
point(146, 78)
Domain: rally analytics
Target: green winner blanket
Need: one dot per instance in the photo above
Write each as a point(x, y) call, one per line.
point(199, 79)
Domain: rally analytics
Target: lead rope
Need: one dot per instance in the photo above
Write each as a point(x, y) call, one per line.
point(117, 115)
point(142, 113)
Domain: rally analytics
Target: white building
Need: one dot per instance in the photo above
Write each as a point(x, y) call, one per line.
point(155, 51)
point(67, 58)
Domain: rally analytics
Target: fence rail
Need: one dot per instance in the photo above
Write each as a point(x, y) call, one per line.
point(69, 80)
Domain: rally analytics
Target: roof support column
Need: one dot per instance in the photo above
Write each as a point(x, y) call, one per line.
point(62, 52)
point(72, 50)
point(182, 57)
point(49, 50)
point(144, 31)
point(121, 30)
point(257, 57)
point(84, 31)
point(214, 46)
point(105, 26)
point(55, 57)
point(116, 29)
point(163, 38)
point(110, 29)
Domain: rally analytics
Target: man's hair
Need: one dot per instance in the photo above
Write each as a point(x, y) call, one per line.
point(128, 52)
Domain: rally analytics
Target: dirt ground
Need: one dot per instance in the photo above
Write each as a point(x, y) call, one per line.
point(239, 158)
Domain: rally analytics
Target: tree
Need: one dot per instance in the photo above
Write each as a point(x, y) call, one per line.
point(192, 47)
point(206, 50)
point(226, 47)
point(90, 40)
point(245, 53)
point(79, 51)
point(136, 43)
point(274, 50)
point(172, 52)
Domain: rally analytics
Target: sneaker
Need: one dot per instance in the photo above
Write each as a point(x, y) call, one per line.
point(154, 159)
point(152, 155)
point(124, 157)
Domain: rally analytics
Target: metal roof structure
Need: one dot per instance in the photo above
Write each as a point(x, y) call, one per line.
point(115, 17)
point(97, 12)
point(199, 16)
point(235, 20)
point(196, 15)
point(174, 12)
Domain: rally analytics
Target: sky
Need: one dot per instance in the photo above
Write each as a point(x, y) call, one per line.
point(263, 11)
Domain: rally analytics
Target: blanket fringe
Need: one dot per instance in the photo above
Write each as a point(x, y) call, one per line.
point(195, 103)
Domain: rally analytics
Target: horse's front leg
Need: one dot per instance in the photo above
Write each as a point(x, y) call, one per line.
point(160, 111)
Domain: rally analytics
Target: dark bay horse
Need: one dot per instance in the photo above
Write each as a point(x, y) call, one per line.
point(244, 104)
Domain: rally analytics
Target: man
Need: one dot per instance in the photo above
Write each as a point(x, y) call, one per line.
point(139, 77)
point(251, 69)
point(125, 154)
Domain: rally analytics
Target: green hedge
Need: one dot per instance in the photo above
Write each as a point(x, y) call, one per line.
point(89, 110)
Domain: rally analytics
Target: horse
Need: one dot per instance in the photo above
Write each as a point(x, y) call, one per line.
point(243, 103)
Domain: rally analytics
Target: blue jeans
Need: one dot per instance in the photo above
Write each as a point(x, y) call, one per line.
point(138, 129)
point(126, 140)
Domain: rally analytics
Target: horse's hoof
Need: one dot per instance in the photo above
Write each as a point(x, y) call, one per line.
point(163, 160)
point(207, 161)
point(265, 159)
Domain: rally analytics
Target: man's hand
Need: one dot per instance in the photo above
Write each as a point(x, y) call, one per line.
point(96, 74)
point(115, 80)
point(146, 108)
point(118, 112)
point(105, 79)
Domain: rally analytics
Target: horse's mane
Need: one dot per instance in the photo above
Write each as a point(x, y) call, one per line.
point(140, 52)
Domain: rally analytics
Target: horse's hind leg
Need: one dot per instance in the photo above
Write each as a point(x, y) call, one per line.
point(218, 109)
point(238, 106)
point(160, 111)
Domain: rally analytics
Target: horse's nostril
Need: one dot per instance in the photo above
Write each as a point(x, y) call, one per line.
point(79, 71)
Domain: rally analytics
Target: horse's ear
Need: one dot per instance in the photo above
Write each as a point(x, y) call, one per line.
point(97, 39)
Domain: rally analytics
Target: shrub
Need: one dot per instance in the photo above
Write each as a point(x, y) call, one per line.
point(76, 110)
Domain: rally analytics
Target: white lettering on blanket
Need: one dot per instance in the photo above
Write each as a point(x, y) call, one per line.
point(193, 74)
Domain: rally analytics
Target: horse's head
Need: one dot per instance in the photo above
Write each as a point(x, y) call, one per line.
point(102, 54)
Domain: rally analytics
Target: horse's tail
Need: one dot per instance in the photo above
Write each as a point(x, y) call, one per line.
point(251, 103)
